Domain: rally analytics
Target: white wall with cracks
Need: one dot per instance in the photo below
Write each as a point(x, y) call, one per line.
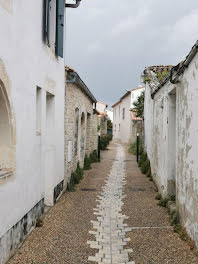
point(171, 129)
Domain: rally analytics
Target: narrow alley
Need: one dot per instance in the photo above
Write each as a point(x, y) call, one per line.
point(111, 217)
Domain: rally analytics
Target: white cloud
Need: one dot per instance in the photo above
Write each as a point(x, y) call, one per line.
point(95, 13)
point(130, 23)
point(185, 29)
point(94, 47)
point(121, 37)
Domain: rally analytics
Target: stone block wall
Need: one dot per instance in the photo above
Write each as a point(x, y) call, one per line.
point(78, 104)
point(137, 127)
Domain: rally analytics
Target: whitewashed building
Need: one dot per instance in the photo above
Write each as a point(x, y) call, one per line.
point(110, 115)
point(122, 117)
point(32, 85)
point(171, 129)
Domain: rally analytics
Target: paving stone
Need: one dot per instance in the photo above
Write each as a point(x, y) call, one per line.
point(110, 228)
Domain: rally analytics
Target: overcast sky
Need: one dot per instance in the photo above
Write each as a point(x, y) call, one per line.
point(110, 42)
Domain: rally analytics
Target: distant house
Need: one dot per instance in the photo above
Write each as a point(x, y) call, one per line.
point(171, 129)
point(124, 126)
point(110, 115)
point(101, 109)
point(81, 124)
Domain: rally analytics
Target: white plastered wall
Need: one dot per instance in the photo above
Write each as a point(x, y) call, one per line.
point(25, 63)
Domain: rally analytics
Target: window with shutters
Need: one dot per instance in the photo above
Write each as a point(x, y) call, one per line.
point(54, 25)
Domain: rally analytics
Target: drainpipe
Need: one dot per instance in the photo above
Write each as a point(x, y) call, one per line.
point(73, 5)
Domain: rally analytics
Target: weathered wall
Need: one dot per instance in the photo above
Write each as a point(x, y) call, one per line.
point(15, 236)
point(148, 121)
point(102, 122)
point(76, 99)
point(187, 164)
point(158, 137)
point(137, 127)
point(25, 63)
point(170, 141)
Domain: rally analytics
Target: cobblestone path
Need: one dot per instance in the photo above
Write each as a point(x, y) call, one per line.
point(110, 227)
point(121, 195)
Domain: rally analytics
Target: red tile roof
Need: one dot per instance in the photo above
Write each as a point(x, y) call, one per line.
point(134, 117)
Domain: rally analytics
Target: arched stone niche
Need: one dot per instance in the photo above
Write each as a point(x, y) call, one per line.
point(7, 133)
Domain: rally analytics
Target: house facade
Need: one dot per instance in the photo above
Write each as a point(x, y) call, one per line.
point(81, 124)
point(123, 125)
point(32, 82)
point(171, 126)
point(101, 109)
point(110, 115)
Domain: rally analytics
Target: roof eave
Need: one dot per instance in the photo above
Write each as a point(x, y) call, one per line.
point(78, 81)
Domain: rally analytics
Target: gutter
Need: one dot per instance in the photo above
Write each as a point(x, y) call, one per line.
point(73, 5)
point(179, 69)
point(76, 79)
point(160, 86)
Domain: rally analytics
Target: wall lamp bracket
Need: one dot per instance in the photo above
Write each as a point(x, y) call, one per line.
point(73, 5)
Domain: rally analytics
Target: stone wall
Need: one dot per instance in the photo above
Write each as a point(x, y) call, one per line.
point(80, 137)
point(137, 127)
point(103, 124)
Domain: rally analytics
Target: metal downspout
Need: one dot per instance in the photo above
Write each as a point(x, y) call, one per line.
point(73, 5)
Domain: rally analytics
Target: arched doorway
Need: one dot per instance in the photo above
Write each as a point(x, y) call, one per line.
point(7, 135)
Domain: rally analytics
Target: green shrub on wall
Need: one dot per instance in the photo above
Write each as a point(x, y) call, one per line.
point(93, 156)
point(133, 148)
point(87, 163)
point(78, 174)
point(145, 166)
point(75, 178)
point(104, 141)
point(143, 162)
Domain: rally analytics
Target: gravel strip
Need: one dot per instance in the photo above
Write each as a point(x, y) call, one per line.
point(154, 241)
point(63, 237)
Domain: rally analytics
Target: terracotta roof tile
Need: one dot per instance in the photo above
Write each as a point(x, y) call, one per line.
point(134, 117)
